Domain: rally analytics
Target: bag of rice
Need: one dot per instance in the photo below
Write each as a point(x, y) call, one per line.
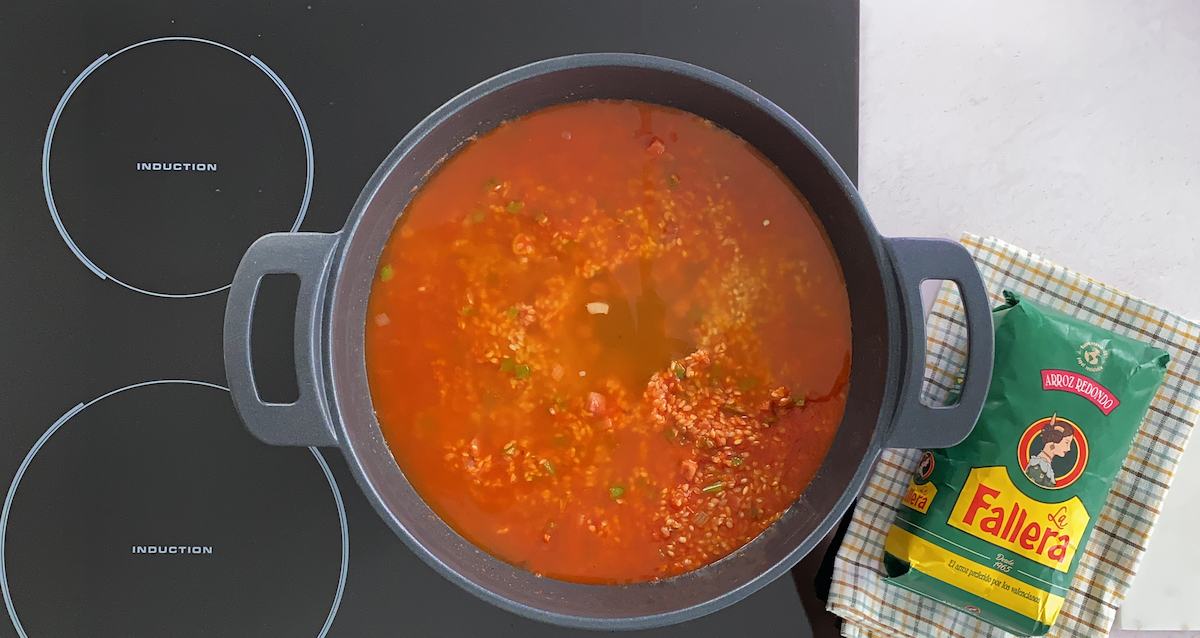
point(995, 525)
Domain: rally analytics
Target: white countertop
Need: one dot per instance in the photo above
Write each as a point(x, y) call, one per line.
point(1068, 128)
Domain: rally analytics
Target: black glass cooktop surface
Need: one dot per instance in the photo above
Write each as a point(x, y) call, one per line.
point(146, 144)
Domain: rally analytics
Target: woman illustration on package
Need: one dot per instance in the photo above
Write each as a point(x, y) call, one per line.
point(1057, 439)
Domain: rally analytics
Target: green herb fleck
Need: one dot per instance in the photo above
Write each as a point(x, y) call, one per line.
point(547, 465)
point(386, 273)
point(541, 217)
point(671, 434)
point(522, 371)
point(507, 364)
point(515, 206)
point(732, 410)
point(477, 216)
point(736, 461)
point(679, 370)
point(616, 492)
point(713, 488)
point(512, 311)
point(492, 183)
point(672, 181)
point(747, 383)
point(716, 375)
point(467, 311)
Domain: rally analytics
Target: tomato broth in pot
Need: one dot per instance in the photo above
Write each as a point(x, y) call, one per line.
point(608, 342)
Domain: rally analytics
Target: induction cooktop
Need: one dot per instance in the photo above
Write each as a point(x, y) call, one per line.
point(147, 144)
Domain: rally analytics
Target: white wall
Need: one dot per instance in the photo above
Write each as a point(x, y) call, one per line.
point(1068, 128)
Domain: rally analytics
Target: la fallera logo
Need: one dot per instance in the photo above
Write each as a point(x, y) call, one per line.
point(1053, 452)
point(992, 508)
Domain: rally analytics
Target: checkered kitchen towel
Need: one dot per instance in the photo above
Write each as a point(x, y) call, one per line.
point(872, 609)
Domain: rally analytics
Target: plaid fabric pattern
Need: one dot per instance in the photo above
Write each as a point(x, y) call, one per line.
point(872, 609)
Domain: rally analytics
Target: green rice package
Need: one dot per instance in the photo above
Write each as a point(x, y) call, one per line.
point(995, 525)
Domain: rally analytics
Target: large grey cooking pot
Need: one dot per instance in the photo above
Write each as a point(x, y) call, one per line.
point(882, 276)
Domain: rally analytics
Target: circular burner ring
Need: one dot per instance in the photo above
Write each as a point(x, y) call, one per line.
point(91, 68)
point(62, 420)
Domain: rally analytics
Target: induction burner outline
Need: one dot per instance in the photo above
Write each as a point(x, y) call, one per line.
point(91, 68)
point(80, 407)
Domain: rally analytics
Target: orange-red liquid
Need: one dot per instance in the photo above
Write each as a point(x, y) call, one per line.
point(608, 342)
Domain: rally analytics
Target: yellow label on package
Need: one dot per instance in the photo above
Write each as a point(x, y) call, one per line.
point(919, 497)
point(990, 507)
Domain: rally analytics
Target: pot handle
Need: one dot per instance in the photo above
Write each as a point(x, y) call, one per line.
point(917, 425)
point(306, 421)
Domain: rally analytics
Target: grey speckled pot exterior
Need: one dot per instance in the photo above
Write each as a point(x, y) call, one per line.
point(882, 277)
